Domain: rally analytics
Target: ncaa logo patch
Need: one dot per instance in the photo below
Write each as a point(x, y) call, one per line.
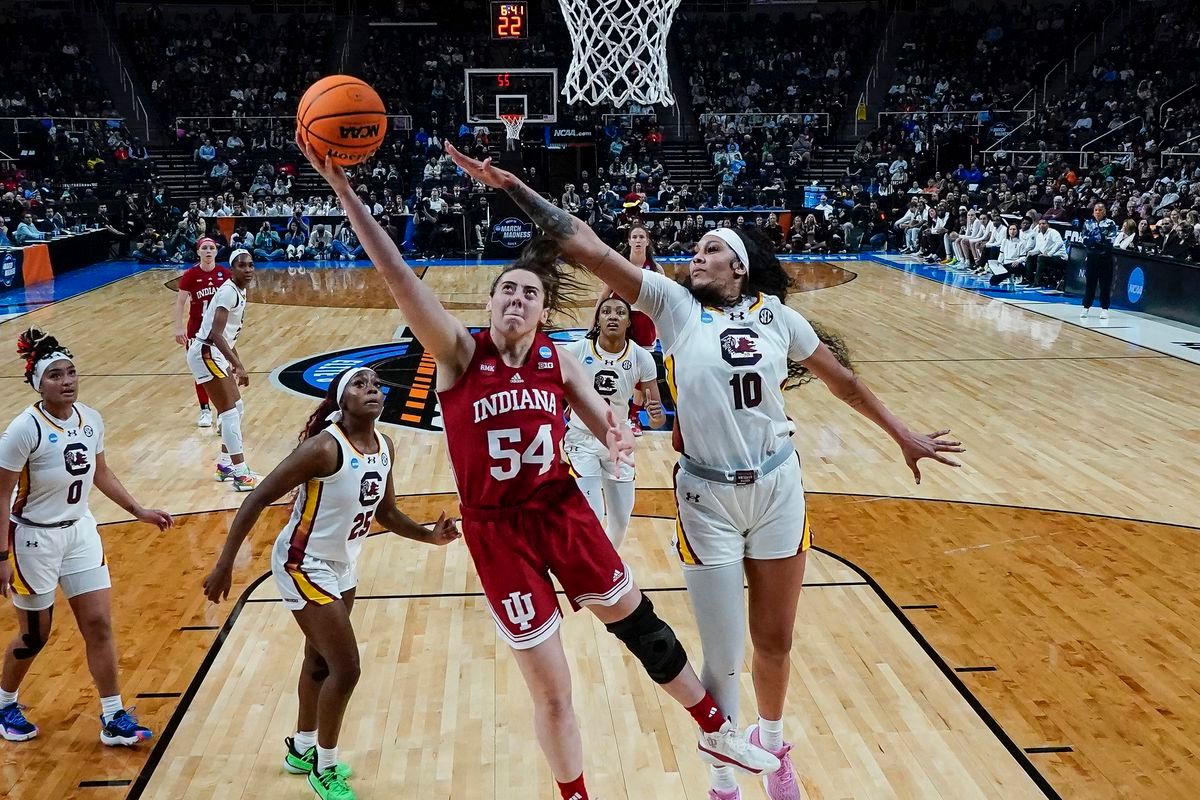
point(706, 317)
point(545, 352)
point(1136, 286)
point(354, 463)
point(589, 360)
point(53, 438)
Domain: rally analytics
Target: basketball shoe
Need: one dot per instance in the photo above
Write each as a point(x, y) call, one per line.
point(729, 748)
point(780, 784)
point(329, 785)
point(223, 472)
point(123, 729)
point(13, 725)
point(205, 418)
point(299, 763)
point(245, 483)
point(720, 794)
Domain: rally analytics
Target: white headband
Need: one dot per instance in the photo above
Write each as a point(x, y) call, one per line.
point(337, 415)
point(234, 255)
point(735, 243)
point(42, 364)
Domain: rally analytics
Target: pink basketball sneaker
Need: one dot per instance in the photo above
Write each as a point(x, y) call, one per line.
point(780, 784)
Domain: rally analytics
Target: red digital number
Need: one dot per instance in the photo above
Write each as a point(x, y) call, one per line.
point(503, 80)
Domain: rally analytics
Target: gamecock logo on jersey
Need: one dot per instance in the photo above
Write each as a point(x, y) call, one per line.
point(739, 347)
point(606, 383)
point(371, 489)
point(75, 457)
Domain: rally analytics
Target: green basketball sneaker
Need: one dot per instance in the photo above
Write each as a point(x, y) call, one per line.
point(329, 785)
point(299, 763)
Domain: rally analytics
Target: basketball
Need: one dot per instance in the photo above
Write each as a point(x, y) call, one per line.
point(342, 117)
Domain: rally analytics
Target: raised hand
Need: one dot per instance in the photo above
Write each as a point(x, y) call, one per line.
point(328, 169)
point(482, 171)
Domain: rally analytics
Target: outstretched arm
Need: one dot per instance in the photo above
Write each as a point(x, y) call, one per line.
point(441, 334)
point(579, 243)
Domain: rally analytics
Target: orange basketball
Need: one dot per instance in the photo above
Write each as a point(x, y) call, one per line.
point(343, 117)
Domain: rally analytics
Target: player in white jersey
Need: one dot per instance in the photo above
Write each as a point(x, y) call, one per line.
point(616, 366)
point(343, 470)
point(215, 363)
point(52, 454)
point(728, 338)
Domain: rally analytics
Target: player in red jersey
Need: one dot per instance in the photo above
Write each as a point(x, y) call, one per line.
point(502, 393)
point(196, 287)
point(640, 250)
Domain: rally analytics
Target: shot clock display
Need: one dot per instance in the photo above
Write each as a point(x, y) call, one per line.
point(509, 20)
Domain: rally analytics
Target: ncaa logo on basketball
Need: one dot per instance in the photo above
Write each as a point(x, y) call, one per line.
point(512, 232)
point(1136, 286)
point(358, 131)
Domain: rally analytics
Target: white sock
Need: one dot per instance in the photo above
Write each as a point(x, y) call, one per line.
point(109, 706)
point(722, 778)
point(770, 733)
point(326, 758)
point(241, 469)
point(304, 741)
point(7, 698)
point(223, 459)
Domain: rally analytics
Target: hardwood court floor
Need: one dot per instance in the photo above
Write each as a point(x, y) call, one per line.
point(1087, 620)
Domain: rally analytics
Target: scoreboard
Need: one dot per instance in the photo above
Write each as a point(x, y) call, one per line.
point(508, 21)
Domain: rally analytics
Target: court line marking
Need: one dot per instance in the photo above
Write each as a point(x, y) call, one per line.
point(102, 784)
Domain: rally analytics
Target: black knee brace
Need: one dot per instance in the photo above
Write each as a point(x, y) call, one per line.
point(34, 640)
point(652, 641)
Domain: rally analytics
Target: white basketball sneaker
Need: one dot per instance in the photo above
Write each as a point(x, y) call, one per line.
point(729, 748)
point(205, 419)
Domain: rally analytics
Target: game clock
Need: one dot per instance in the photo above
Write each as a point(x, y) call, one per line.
point(509, 21)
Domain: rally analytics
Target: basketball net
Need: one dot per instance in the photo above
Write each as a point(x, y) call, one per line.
point(620, 51)
point(512, 128)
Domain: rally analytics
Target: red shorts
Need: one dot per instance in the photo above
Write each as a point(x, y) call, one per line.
point(515, 551)
point(642, 330)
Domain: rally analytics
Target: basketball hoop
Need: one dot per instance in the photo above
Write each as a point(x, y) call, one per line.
point(620, 51)
point(512, 128)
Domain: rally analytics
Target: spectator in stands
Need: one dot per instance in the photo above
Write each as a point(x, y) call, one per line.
point(27, 231)
point(149, 248)
point(320, 243)
point(346, 244)
point(294, 241)
point(267, 244)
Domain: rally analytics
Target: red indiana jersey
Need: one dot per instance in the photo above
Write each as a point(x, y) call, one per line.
point(200, 286)
point(504, 426)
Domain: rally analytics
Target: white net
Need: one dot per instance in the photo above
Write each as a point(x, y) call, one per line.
point(512, 128)
point(620, 51)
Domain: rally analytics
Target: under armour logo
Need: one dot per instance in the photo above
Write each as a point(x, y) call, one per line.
point(738, 316)
point(519, 608)
point(71, 434)
point(30, 544)
point(691, 498)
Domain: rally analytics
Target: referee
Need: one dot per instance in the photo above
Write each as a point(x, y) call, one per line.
point(1099, 232)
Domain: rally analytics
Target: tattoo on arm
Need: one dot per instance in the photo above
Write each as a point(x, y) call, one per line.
point(556, 222)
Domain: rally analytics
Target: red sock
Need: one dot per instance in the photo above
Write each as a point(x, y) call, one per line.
point(574, 790)
point(201, 394)
point(635, 412)
point(707, 714)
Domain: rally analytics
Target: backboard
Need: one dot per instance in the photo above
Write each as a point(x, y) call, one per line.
point(530, 91)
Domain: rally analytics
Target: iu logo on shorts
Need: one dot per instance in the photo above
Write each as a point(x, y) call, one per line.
point(519, 608)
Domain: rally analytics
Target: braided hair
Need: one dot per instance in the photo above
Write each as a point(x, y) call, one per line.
point(33, 345)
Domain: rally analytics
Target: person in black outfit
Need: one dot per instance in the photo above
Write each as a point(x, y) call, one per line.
point(1099, 232)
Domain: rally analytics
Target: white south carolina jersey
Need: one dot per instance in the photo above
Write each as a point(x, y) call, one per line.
point(726, 369)
point(230, 297)
point(331, 516)
point(615, 375)
point(56, 460)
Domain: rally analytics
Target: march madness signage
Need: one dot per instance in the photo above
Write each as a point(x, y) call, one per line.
point(408, 376)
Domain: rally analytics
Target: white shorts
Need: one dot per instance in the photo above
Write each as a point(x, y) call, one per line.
point(44, 558)
point(313, 580)
point(206, 362)
point(587, 457)
point(721, 523)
